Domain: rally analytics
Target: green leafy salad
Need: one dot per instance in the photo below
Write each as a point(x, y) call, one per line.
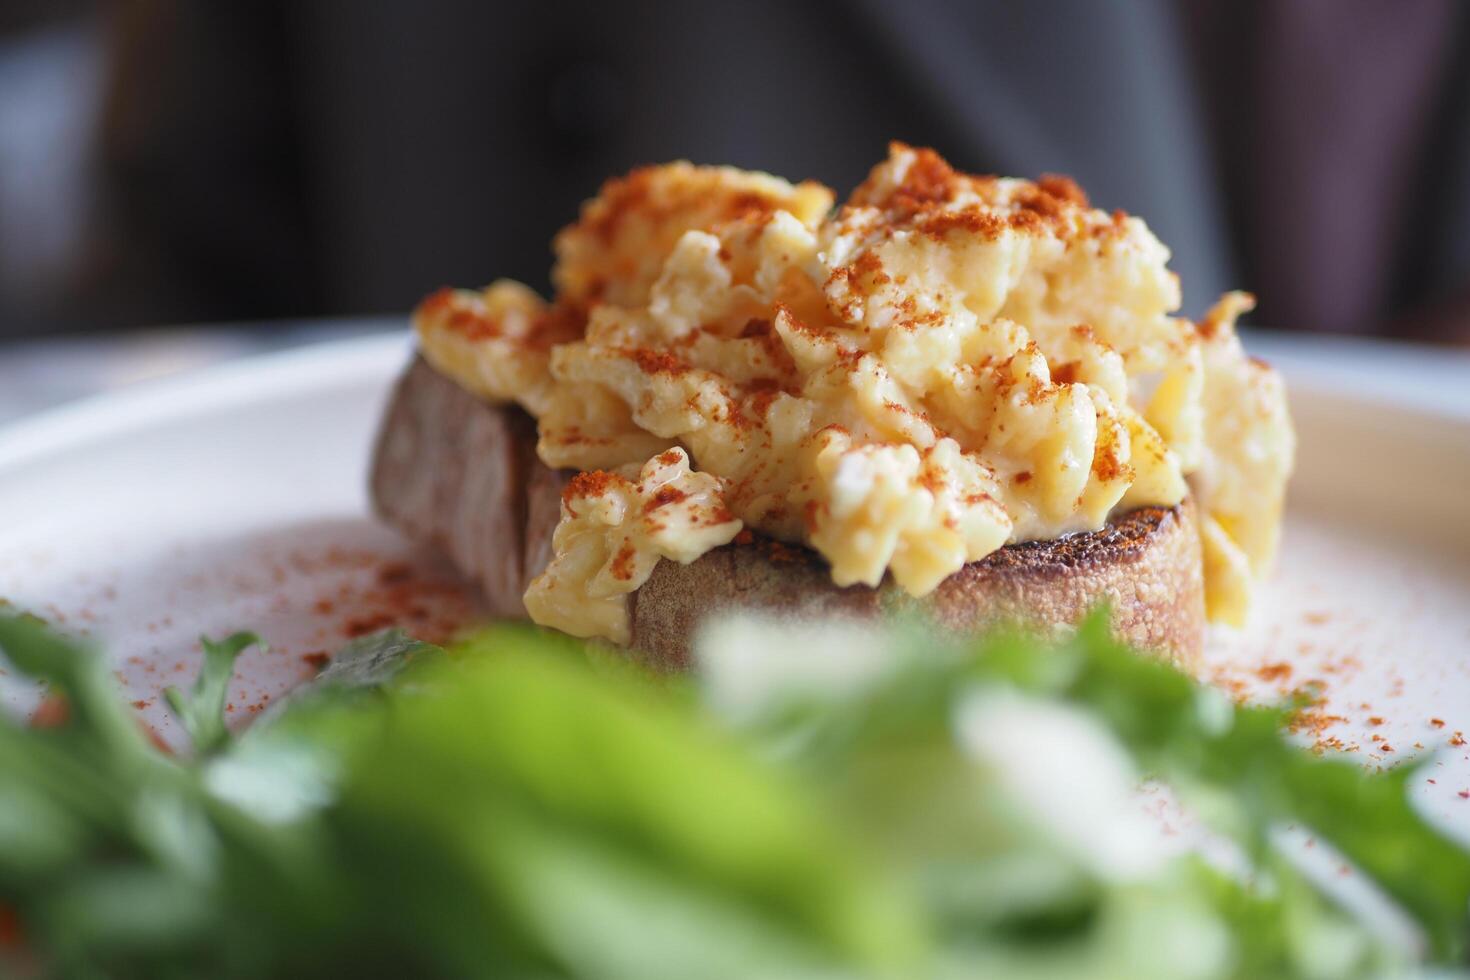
point(812, 802)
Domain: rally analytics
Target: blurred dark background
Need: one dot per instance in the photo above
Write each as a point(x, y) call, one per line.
point(169, 161)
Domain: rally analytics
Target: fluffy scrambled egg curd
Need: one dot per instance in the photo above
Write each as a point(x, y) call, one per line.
point(944, 364)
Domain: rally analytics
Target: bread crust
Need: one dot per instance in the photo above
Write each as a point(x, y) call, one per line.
point(1144, 564)
point(462, 474)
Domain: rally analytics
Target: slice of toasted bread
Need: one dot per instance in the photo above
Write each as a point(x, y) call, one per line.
point(457, 473)
point(462, 474)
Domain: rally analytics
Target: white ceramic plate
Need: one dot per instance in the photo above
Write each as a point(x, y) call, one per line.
point(235, 499)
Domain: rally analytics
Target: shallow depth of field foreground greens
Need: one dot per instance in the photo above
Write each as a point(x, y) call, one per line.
point(815, 802)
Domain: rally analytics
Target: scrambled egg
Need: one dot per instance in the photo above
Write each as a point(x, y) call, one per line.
point(614, 529)
point(945, 364)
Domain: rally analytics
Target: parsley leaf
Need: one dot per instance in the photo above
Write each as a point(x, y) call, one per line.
point(202, 710)
point(522, 807)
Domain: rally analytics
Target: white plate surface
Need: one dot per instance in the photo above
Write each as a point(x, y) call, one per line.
point(235, 499)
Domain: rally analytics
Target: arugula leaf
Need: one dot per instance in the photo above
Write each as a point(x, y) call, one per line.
point(569, 796)
point(372, 660)
point(202, 710)
point(1256, 779)
point(1234, 763)
point(361, 668)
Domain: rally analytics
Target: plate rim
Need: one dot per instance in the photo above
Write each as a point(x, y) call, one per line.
point(236, 383)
